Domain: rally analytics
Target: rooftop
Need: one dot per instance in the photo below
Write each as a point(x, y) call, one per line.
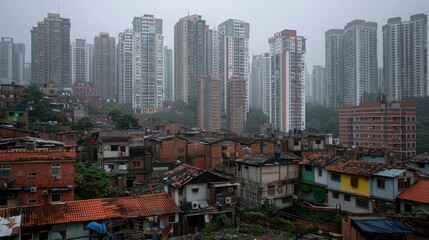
point(321, 160)
point(269, 159)
point(418, 192)
point(181, 175)
point(422, 158)
point(357, 167)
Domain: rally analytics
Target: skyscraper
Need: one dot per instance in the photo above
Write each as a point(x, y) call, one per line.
point(359, 55)
point(287, 52)
point(189, 56)
point(212, 52)
point(105, 66)
point(208, 105)
point(319, 85)
point(125, 59)
point(309, 88)
point(405, 62)
point(260, 83)
point(233, 54)
point(81, 53)
point(333, 65)
point(237, 104)
point(168, 74)
point(12, 61)
point(50, 52)
point(148, 64)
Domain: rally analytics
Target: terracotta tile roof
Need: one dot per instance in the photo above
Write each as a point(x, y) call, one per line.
point(357, 167)
point(114, 135)
point(369, 151)
point(17, 155)
point(418, 192)
point(322, 160)
point(181, 175)
point(422, 158)
point(94, 209)
point(267, 159)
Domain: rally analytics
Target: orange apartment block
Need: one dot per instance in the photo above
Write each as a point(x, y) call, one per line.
point(31, 177)
point(379, 124)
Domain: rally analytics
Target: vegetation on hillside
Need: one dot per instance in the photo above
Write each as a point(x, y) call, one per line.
point(319, 119)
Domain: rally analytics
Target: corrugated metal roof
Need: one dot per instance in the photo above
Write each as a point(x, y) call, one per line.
point(390, 172)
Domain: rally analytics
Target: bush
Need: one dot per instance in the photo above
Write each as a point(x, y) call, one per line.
point(258, 230)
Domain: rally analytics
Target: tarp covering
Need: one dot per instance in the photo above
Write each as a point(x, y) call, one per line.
point(99, 227)
point(318, 192)
point(382, 226)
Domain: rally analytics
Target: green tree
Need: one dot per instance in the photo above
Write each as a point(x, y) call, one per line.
point(83, 124)
point(92, 182)
point(126, 121)
point(321, 119)
point(255, 118)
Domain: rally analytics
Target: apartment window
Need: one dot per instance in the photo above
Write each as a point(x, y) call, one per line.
point(381, 183)
point(401, 184)
point(347, 197)
point(354, 182)
point(136, 164)
point(362, 203)
point(335, 195)
point(308, 168)
point(114, 148)
point(56, 169)
point(271, 190)
point(335, 176)
point(55, 197)
point(195, 190)
point(172, 218)
point(123, 148)
point(32, 174)
point(32, 201)
point(4, 171)
point(319, 172)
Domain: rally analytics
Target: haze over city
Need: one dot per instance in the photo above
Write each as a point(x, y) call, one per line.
point(310, 18)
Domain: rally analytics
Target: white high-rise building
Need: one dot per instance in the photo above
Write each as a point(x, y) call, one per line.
point(287, 51)
point(319, 85)
point(405, 60)
point(260, 83)
point(148, 64)
point(212, 52)
point(308, 86)
point(168, 74)
point(81, 53)
point(125, 58)
point(333, 68)
point(233, 54)
point(12, 61)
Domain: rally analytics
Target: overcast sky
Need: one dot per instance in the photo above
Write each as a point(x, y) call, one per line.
point(311, 18)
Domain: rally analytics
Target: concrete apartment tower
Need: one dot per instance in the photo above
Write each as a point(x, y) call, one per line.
point(319, 85)
point(333, 67)
point(168, 74)
point(237, 104)
point(208, 105)
point(212, 52)
point(189, 56)
point(287, 51)
point(260, 83)
point(405, 62)
point(233, 54)
point(148, 64)
point(105, 67)
point(50, 52)
point(12, 61)
point(125, 64)
point(81, 53)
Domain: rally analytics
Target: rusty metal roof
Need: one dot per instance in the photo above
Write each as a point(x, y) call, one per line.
point(322, 160)
point(181, 175)
point(357, 167)
point(268, 159)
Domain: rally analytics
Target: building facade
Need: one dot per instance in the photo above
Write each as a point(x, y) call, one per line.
point(12, 61)
point(405, 62)
point(319, 85)
point(168, 74)
point(378, 124)
point(333, 65)
point(105, 66)
point(260, 83)
point(50, 52)
point(208, 105)
point(237, 104)
point(212, 52)
point(81, 53)
point(189, 56)
point(287, 52)
point(125, 53)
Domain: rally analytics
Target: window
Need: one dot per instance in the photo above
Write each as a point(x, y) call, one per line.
point(32, 201)
point(114, 148)
point(308, 168)
point(335, 176)
point(319, 172)
point(347, 197)
point(122, 148)
point(4, 171)
point(136, 164)
point(420, 165)
point(380, 183)
point(362, 203)
point(70, 137)
point(56, 197)
point(32, 174)
point(56, 169)
point(271, 190)
point(335, 195)
point(195, 190)
point(296, 143)
point(354, 182)
point(172, 218)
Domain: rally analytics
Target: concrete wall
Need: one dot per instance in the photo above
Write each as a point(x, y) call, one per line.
point(197, 195)
point(321, 179)
point(349, 206)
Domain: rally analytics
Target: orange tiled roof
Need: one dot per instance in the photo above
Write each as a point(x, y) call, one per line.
point(357, 167)
point(16, 155)
point(321, 160)
point(418, 192)
point(181, 175)
point(94, 209)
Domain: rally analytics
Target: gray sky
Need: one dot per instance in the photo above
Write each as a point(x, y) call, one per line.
point(311, 18)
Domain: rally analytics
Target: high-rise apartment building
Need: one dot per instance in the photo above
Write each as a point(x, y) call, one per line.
point(233, 54)
point(308, 86)
point(189, 56)
point(405, 61)
point(237, 104)
point(260, 83)
point(212, 52)
point(287, 52)
point(334, 70)
point(12, 61)
point(125, 64)
point(50, 52)
point(319, 85)
point(105, 66)
point(148, 64)
point(81, 53)
point(168, 74)
point(208, 105)
point(380, 124)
